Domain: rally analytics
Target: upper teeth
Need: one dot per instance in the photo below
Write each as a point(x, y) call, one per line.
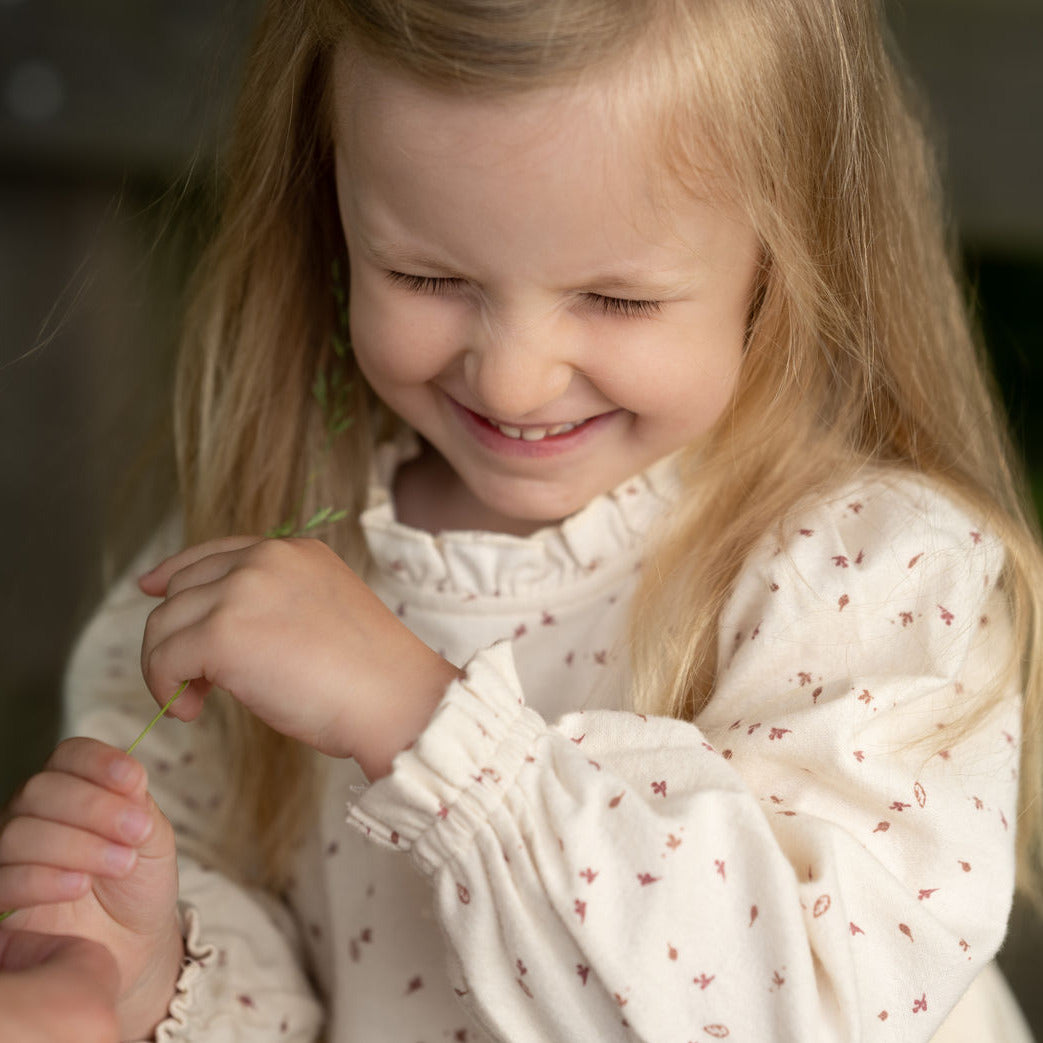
point(533, 434)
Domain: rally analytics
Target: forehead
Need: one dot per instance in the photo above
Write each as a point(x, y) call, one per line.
point(563, 179)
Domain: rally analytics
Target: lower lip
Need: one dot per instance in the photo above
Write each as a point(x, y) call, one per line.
point(553, 445)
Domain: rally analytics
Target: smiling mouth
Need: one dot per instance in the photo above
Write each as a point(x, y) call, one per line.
point(533, 434)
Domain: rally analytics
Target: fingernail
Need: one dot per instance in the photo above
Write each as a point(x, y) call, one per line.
point(119, 859)
point(134, 824)
point(71, 883)
point(120, 770)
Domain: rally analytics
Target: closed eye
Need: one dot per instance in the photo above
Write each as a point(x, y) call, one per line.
point(424, 283)
point(626, 307)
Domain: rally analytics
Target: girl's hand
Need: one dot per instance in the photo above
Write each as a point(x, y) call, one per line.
point(290, 631)
point(86, 852)
point(57, 990)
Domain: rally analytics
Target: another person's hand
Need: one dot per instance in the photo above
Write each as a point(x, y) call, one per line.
point(290, 631)
point(86, 852)
point(55, 989)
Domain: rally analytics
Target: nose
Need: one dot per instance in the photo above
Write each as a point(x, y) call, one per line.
point(516, 367)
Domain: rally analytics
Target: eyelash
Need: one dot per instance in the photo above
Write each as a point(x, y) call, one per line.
point(624, 307)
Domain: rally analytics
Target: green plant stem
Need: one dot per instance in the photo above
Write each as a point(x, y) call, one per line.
point(130, 749)
point(155, 720)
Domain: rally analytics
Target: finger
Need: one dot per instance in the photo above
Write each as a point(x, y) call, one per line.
point(23, 886)
point(155, 581)
point(101, 764)
point(170, 655)
point(37, 842)
point(73, 801)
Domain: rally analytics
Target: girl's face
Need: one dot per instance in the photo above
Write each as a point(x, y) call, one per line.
point(527, 293)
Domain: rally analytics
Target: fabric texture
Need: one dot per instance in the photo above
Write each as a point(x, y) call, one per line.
point(820, 856)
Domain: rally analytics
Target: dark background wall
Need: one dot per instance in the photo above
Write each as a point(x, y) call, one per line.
point(111, 115)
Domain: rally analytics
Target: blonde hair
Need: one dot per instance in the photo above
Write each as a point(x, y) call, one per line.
point(859, 350)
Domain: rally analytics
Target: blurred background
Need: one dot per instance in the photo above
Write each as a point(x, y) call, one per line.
point(112, 115)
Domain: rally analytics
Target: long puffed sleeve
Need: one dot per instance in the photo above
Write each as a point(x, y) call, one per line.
point(243, 979)
point(825, 855)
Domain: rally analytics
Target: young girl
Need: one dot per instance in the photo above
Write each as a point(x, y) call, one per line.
point(675, 687)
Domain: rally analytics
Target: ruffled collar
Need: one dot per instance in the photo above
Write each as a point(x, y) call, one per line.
point(603, 539)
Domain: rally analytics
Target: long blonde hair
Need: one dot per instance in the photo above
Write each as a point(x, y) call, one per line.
point(859, 349)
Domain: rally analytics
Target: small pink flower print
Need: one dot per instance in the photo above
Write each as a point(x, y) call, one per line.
point(840, 561)
point(582, 970)
point(920, 793)
point(620, 1000)
point(463, 894)
point(946, 615)
point(906, 618)
point(588, 874)
point(913, 560)
point(842, 602)
point(815, 694)
point(855, 508)
point(704, 980)
point(647, 878)
point(520, 630)
point(860, 755)
point(906, 930)
point(778, 980)
point(614, 802)
point(773, 587)
point(547, 619)
point(716, 1031)
point(580, 909)
point(778, 733)
point(659, 788)
point(415, 985)
point(525, 988)
point(594, 764)
point(443, 811)
point(965, 866)
point(246, 1001)
point(926, 892)
point(976, 537)
point(720, 868)
point(865, 697)
point(920, 1005)
point(897, 805)
point(579, 738)
point(860, 558)
point(807, 532)
point(570, 658)
point(673, 842)
point(752, 728)
point(803, 677)
point(822, 904)
point(671, 952)
point(601, 658)
point(753, 915)
point(964, 945)
point(978, 804)
point(882, 1015)
point(855, 929)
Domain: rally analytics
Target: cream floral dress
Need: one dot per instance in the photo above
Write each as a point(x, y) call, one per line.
point(545, 865)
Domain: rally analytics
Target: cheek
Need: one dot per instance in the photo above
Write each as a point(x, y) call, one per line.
point(398, 342)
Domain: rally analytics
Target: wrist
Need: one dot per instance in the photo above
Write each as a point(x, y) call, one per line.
point(405, 715)
point(147, 1002)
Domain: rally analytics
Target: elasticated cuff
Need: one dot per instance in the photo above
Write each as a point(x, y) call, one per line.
point(450, 780)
